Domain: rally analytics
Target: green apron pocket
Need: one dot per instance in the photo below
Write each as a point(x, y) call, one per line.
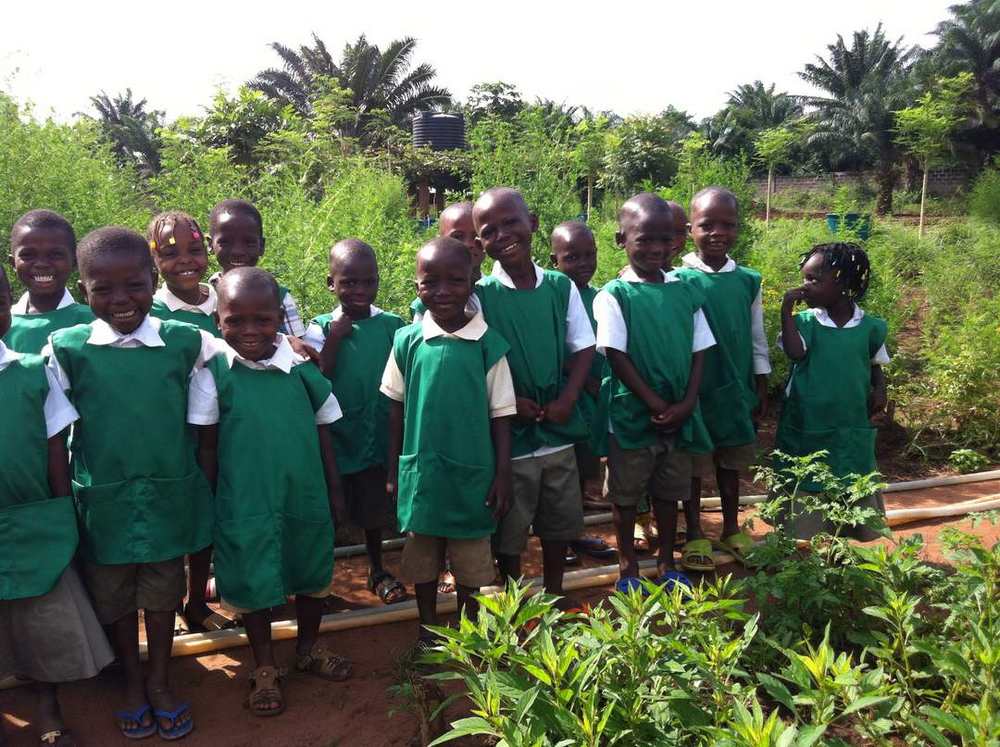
point(39, 539)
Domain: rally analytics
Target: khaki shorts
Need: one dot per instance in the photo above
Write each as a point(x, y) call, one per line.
point(471, 560)
point(322, 594)
point(546, 497)
point(662, 472)
point(735, 458)
point(118, 590)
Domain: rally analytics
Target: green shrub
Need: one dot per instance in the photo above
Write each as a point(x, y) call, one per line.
point(984, 199)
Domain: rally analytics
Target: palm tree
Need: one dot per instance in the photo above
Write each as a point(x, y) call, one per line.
point(751, 109)
point(376, 80)
point(865, 84)
point(130, 128)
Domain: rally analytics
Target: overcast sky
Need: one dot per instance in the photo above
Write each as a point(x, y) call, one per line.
point(630, 57)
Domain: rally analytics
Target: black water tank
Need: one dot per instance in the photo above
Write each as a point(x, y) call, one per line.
point(438, 131)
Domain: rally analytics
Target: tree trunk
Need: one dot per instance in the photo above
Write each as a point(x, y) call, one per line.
point(923, 198)
point(886, 184)
point(767, 200)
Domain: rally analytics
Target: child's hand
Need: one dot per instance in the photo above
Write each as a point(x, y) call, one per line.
point(342, 327)
point(794, 296)
point(336, 495)
point(672, 417)
point(302, 349)
point(500, 493)
point(390, 486)
point(592, 386)
point(528, 409)
point(876, 403)
point(559, 410)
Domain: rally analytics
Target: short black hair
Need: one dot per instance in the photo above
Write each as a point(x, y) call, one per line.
point(850, 264)
point(713, 191)
point(444, 246)
point(235, 206)
point(44, 219)
point(572, 229)
point(170, 218)
point(251, 278)
point(110, 241)
point(350, 248)
point(644, 203)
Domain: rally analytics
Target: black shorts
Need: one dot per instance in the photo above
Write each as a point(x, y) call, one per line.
point(368, 505)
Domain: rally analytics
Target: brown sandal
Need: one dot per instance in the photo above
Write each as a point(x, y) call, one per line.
point(324, 664)
point(265, 689)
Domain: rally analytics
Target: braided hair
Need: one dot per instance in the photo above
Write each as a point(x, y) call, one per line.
point(169, 222)
point(848, 262)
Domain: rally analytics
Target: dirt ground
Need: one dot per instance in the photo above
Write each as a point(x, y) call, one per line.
point(357, 712)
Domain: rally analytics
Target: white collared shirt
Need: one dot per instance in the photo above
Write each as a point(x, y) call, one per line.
point(203, 398)
point(579, 332)
point(881, 357)
point(147, 335)
point(208, 307)
point(24, 302)
point(761, 353)
point(499, 382)
point(58, 410)
point(472, 307)
point(314, 336)
point(613, 333)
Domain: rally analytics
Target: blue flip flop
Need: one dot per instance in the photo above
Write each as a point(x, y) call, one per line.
point(138, 732)
point(629, 583)
point(670, 579)
point(175, 731)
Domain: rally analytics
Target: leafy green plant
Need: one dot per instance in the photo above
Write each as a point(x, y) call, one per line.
point(967, 460)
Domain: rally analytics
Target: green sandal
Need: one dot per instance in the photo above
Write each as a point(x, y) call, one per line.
point(738, 545)
point(696, 555)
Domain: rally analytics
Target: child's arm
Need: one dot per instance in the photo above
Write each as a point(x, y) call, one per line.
point(623, 368)
point(877, 399)
point(678, 412)
point(339, 329)
point(208, 453)
point(560, 409)
point(791, 340)
point(338, 509)
point(59, 483)
point(500, 491)
point(395, 445)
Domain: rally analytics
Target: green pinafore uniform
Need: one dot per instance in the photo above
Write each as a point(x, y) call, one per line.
point(826, 402)
point(417, 307)
point(38, 533)
point(727, 394)
point(658, 317)
point(361, 437)
point(202, 321)
point(534, 324)
point(29, 333)
point(140, 496)
point(446, 466)
point(273, 531)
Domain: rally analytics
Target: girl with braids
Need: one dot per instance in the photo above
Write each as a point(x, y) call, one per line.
point(181, 258)
point(836, 385)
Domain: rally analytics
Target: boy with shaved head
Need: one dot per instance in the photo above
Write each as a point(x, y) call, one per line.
point(541, 315)
point(449, 454)
point(455, 222)
point(354, 341)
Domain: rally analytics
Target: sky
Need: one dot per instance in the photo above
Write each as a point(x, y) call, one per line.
point(633, 57)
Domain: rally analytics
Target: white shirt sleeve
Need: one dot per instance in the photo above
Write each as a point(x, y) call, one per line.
point(329, 412)
point(203, 399)
point(881, 357)
point(53, 368)
point(703, 337)
point(579, 332)
point(314, 336)
point(500, 389)
point(393, 385)
point(59, 411)
point(761, 353)
point(611, 330)
point(210, 347)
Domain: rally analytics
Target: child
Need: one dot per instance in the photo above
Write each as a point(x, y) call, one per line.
point(181, 259)
point(734, 385)
point(679, 240)
point(836, 384)
point(455, 222)
point(449, 455)
point(354, 343)
point(540, 313)
point(265, 444)
point(48, 631)
point(143, 504)
point(653, 331)
point(574, 253)
point(237, 239)
point(43, 254)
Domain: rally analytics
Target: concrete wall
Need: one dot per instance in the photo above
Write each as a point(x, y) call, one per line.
point(941, 182)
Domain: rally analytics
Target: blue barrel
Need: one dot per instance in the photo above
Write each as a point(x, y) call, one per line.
point(852, 223)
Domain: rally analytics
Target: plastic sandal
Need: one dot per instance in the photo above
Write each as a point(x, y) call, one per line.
point(175, 731)
point(324, 664)
point(387, 588)
point(738, 545)
point(55, 738)
point(265, 688)
point(137, 732)
point(671, 579)
point(627, 584)
point(696, 555)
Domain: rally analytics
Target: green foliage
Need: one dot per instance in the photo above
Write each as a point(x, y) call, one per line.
point(924, 129)
point(967, 461)
point(66, 168)
point(984, 199)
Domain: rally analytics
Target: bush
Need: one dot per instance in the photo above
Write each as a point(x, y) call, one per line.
point(984, 199)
